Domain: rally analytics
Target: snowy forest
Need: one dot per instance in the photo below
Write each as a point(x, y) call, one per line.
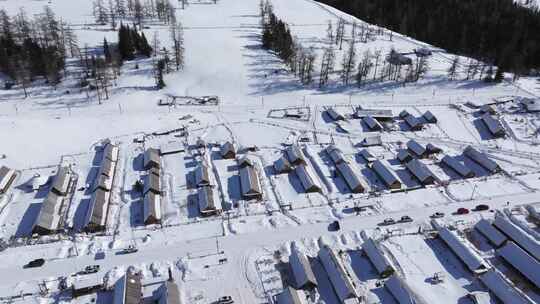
point(496, 31)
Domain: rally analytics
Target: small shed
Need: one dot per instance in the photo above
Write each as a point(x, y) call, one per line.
point(482, 159)
point(250, 184)
point(380, 115)
point(61, 181)
point(228, 150)
point(7, 176)
point(404, 114)
point(282, 165)
point(432, 149)
point(387, 175)
point(429, 117)
point(207, 202)
point(308, 179)
point(371, 141)
point(152, 208)
point(151, 159)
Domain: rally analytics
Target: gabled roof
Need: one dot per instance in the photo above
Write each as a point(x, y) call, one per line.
point(335, 154)
point(249, 182)
point(372, 123)
point(429, 117)
point(202, 177)
point(340, 279)
point(107, 168)
point(492, 234)
point(152, 183)
point(301, 270)
point(111, 152)
point(474, 262)
point(431, 148)
point(307, 177)
point(355, 183)
point(377, 258)
point(502, 288)
point(291, 296)
point(282, 165)
point(228, 150)
point(457, 166)
point(96, 214)
point(7, 176)
point(420, 171)
point(152, 208)
point(207, 203)
point(295, 154)
point(481, 159)
point(367, 155)
point(151, 158)
point(400, 290)
point(375, 113)
point(61, 181)
point(520, 237)
point(48, 220)
point(388, 176)
point(522, 261)
point(404, 156)
point(493, 125)
point(416, 148)
point(335, 114)
point(128, 289)
point(413, 122)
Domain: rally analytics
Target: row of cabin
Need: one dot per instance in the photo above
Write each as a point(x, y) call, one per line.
point(152, 197)
point(152, 187)
point(295, 160)
point(477, 157)
point(49, 218)
point(7, 177)
point(96, 214)
point(355, 182)
point(206, 200)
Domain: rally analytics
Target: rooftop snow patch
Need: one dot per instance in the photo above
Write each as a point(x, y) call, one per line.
point(522, 261)
point(377, 258)
point(482, 159)
point(519, 236)
point(340, 279)
point(490, 232)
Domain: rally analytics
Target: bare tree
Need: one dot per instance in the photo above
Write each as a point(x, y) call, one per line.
point(177, 36)
point(348, 64)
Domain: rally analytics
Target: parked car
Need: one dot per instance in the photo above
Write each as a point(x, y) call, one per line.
point(90, 269)
point(35, 263)
point(462, 211)
point(128, 250)
point(406, 219)
point(437, 215)
point(225, 300)
point(388, 221)
point(481, 207)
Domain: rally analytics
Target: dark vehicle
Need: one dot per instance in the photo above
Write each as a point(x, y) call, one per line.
point(462, 211)
point(437, 215)
point(334, 226)
point(225, 300)
point(128, 250)
point(406, 219)
point(481, 207)
point(90, 269)
point(100, 255)
point(35, 263)
point(388, 221)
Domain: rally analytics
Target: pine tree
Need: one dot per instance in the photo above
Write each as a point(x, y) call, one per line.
point(107, 51)
point(452, 70)
point(499, 75)
point(348, 64)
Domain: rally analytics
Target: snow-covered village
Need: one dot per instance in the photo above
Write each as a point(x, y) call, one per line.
point(270, 152)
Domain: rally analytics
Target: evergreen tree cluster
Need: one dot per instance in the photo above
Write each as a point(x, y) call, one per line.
point(139, 11)
point(276, 35)
point(31, 48)
point(131, 43)
point(496, 31)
